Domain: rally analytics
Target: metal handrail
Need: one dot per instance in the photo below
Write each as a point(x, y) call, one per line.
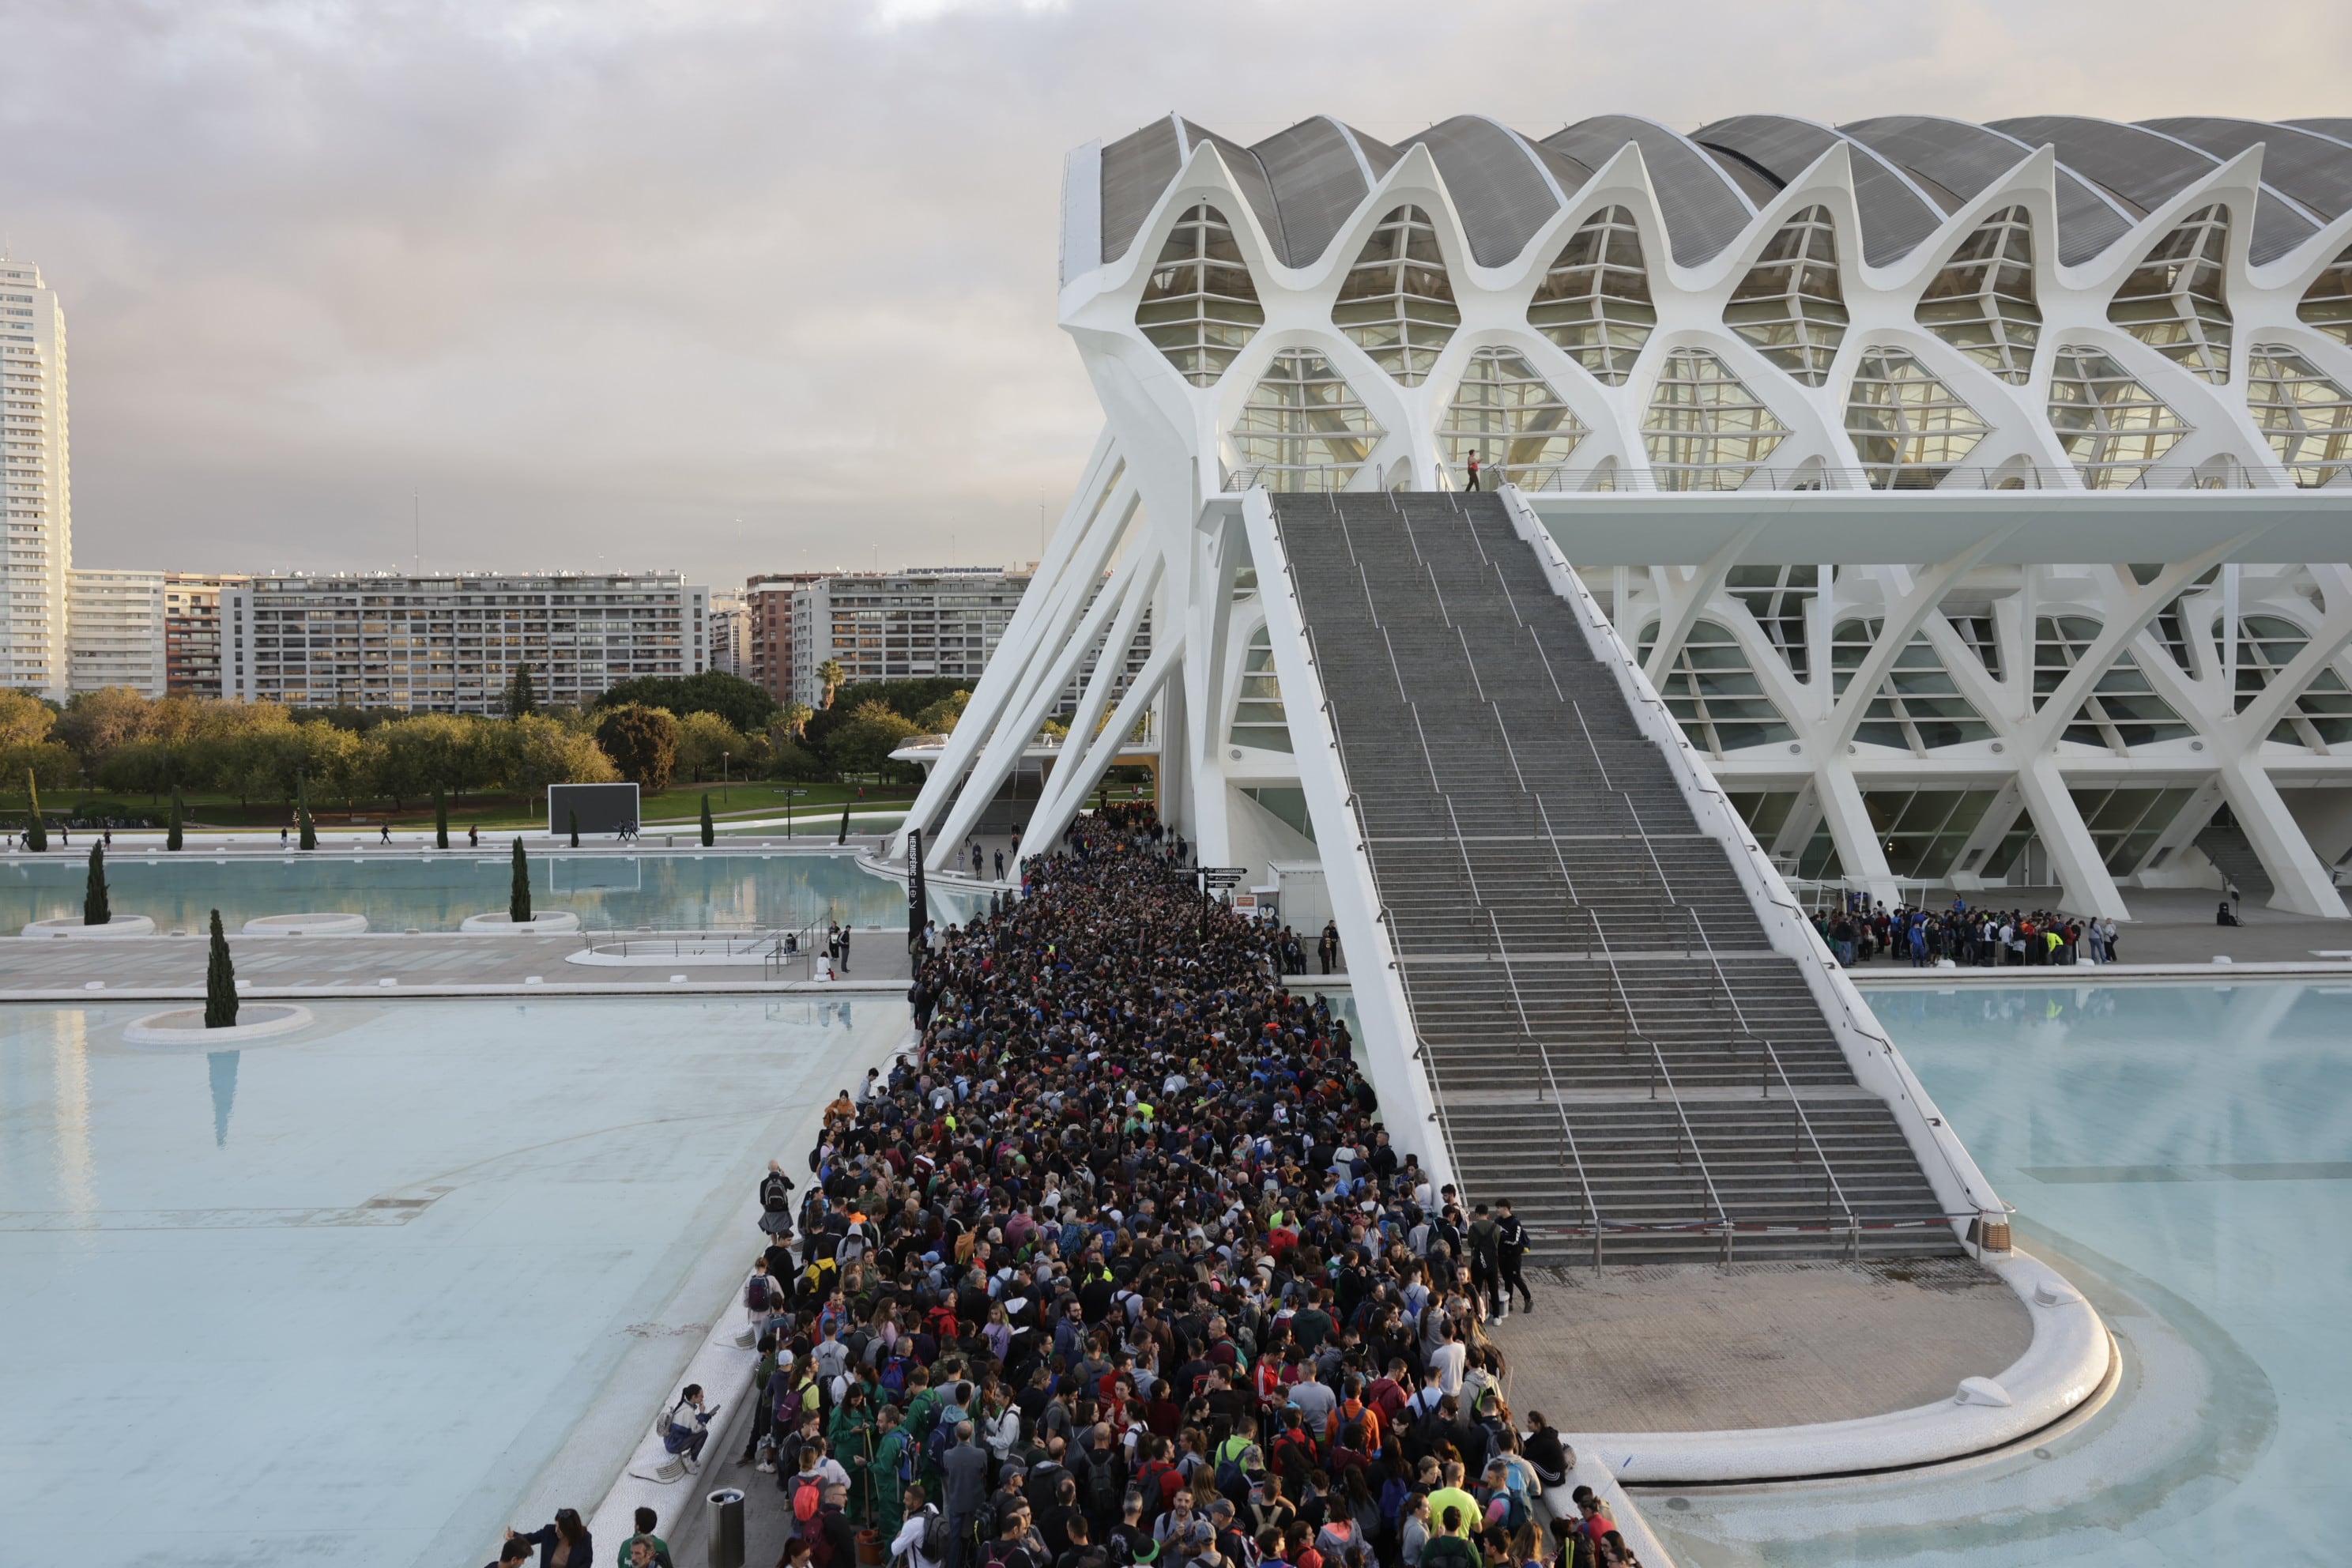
point(1722, 1214)
point(1559, 478)
point(1834, 1188)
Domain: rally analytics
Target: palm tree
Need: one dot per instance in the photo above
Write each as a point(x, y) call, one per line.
point(833, 675)
point(796, 718)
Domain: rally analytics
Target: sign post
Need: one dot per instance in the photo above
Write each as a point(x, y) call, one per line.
point(914, 901)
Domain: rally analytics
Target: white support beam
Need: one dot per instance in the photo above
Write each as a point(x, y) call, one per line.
point(2300, 881)
point(1080, 773)
point(1110, 667)
point(2084, 885)
point(1682, 599)
point(1105, 483)
point(1905, 616)
point(1067, 648)
point(1860, 857)
point(2334, 634)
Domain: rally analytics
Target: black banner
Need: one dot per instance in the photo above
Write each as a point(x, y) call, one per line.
point(914, 888)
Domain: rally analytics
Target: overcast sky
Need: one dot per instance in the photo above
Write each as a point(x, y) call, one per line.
point(734, 286)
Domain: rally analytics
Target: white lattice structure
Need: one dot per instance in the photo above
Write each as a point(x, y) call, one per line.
point(1942, 475)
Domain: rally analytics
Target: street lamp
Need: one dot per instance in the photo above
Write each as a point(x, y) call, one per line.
point(722, 781)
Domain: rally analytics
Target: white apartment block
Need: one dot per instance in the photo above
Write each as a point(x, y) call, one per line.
point(115, 631)
point(35, 483)
point(922, 622)
point(450, 642)
point(731, 633)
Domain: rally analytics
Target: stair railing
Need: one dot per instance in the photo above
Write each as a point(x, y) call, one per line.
point(1834, 1198)
point(1722, 1216)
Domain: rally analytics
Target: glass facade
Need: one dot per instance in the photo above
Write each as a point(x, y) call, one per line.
point(2123, 709)
point(1304, 428)
point(2125, 824)
point(1397, 302)
point(1922, 831)
point(1594, 302)
point(2327, 303)
point(1714, 694)
point(1982, 301)
point(1908, 428)
point(2320, 717)
point(2112, 428)
point(2305, 416)
point(1704, 430)
point(1508, 414)
point(2173, 302)
point(1201, 307)
point(1918, 708)
point(1259, 718)
point(1791, 304)
point(1777, 597)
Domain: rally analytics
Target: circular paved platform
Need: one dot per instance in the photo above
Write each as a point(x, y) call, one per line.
point(1695, 1349)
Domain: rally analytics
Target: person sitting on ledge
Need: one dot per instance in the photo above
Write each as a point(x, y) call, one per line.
point(2225, 915)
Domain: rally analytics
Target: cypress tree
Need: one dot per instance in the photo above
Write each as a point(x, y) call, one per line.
point(37, 832)
point(172, 837)
point(518, 899)
point(302, 811)
point(220, 982)
point(709, 834)
point(440, 819)
point(574, 817)
point(844, 838)
point(95, 910)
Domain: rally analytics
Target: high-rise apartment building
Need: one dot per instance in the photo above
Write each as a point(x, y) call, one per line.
point(730, 634)
point(191, 631)
point(115, 630)
point(36, 483)
point(768, 630)
point(450, 643)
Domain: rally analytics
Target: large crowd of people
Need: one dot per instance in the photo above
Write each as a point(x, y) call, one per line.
point(1119, 1266)
point(1970, 939)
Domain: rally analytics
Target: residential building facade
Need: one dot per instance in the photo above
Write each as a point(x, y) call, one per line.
point(730, 634)
point(450, 643)
point(767, 629)
point(115, 631)
point(191, 631)
point(36, 483)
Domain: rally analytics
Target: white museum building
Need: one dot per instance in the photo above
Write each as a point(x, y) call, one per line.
point(1978, 498)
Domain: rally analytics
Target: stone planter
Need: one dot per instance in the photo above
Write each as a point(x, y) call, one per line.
point(184, 1026)
point(555, 922)
point(319, 924)
point(73, 930)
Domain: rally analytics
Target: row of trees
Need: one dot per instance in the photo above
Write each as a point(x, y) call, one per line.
point(654, 732)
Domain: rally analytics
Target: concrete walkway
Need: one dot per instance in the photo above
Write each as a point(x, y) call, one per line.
point(1696, 1349)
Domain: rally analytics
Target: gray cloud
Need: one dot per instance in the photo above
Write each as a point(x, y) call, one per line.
point(729, 286)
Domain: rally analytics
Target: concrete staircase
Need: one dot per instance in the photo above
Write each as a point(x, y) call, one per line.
point(2233, 856)
point(1611, 1041)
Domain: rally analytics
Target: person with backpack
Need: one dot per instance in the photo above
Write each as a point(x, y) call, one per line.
point(892, 1471)
point(687, 1427)
point(835, 1543)
point(1450, 1547)
point(762, 1408)
point(921, 1538)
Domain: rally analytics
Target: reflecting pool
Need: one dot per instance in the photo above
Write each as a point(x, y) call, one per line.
point(404, 890)
point(2186, 1152)
point(338, 1297)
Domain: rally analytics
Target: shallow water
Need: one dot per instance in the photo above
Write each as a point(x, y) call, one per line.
point(404, 890)
point(338, 1297)
point(2185, 1151)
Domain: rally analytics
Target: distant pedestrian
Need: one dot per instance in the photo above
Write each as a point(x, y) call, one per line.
point(473, 838)
point(383, 831)
point(1328, 947)
point(1474, 467)
point(845, 950)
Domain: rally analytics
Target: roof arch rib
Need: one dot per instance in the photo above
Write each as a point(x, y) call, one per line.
point(1966, 159)
point(2150, 167)
point(1897, 212)
point(1705, 209)
point(1318, 171)
point(1504, 187)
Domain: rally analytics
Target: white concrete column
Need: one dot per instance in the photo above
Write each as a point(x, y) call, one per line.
point(1859, 855)
point(2300, 881)
point(2083, 879)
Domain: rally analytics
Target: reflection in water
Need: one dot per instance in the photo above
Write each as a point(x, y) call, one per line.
point(69, 1063)
point(223, 1067)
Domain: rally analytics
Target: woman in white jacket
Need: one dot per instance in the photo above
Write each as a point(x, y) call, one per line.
point(1000, 1428)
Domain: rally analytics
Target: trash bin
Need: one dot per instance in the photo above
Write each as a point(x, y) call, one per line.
point(726, 1528)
